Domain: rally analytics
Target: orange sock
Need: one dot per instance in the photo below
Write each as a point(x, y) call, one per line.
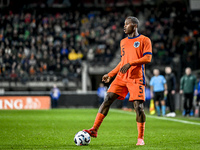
point(141, 127)
point(98, 121)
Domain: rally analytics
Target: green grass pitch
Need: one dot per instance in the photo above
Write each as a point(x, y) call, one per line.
point(55, 129)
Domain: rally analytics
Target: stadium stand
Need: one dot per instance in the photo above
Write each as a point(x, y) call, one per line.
point(39, 46)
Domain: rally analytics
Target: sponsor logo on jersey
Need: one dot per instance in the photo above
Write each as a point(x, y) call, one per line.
point(136, 44)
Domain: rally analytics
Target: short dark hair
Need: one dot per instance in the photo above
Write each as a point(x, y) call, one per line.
point(133, 19)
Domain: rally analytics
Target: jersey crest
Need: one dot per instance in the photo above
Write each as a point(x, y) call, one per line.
point(136, 44)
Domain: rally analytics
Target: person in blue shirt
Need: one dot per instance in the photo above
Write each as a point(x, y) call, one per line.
point(55, 95)
point(101, 92)
point(158, 90)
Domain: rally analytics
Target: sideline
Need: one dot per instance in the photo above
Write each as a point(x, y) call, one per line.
point(156, 117)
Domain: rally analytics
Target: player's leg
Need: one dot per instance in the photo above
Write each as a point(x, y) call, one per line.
point(105, 106)
point(172, 105)
point(139, 109)
point(56, 103)
point(186, 100)
point(103, 111)
point(172, 102)
point(191, 113)
point(137, 95)
point(157, 100)
point(140, 118)
point(116, 90)
point(163, 107)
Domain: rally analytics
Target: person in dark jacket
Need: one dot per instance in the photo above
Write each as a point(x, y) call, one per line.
point(188, 87)
point(171, 87)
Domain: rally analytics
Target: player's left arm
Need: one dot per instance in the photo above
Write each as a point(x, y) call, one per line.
point(144, 60)
point(147, 56)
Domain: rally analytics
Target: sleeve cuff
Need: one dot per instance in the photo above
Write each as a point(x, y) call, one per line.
point(147, 53)
point(109, 74)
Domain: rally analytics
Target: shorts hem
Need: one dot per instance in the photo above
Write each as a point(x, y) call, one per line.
point(137, 100)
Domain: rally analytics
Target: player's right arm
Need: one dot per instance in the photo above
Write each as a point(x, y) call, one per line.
point(107, 77)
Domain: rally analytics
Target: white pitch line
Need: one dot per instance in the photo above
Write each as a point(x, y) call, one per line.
point(160, 118)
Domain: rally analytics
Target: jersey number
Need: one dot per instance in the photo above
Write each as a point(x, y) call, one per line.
point(141, 89)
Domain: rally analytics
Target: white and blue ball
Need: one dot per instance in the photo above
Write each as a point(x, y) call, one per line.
point(82, 138)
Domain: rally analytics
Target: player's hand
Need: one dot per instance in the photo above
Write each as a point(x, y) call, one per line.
point(173, 92)
point(181, 92)
point(125, 68)
point(196, 92)
point(165, 92)
point(152, 95)
point(106, 78)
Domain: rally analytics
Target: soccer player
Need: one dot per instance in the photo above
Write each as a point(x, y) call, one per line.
point(136, 51)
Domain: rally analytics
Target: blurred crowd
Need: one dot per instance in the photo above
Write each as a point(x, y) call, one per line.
point(35, 44)
point(32, 45)
point(174, 32)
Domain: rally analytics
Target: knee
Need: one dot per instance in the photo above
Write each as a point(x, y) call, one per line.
point(107, 101)
point(139, 108)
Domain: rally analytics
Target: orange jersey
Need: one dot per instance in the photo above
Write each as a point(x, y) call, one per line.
point(133, 51)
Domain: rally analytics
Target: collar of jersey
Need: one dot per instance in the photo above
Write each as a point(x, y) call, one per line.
point(134, 37)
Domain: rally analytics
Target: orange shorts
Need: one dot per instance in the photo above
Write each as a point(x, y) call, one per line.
point(133, 86)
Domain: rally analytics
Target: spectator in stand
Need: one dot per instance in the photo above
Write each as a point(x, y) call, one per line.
point(55, 95)
point(101, 92)
point(32, 71)
point(171, 86)
point(79, 55)
point(13, 77)
point(24, 33)
point(72, 55)
point(188, 87)
point(64, 51)
point(23, 76)
point(158, 90)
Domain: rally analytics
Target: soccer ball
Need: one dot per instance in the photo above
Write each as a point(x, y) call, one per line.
point(82, 138)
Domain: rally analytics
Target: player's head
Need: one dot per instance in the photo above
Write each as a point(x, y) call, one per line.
point(156, 72)
point(168, 70)
point(101, 85)
point(131, 25)
point(188, 71)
